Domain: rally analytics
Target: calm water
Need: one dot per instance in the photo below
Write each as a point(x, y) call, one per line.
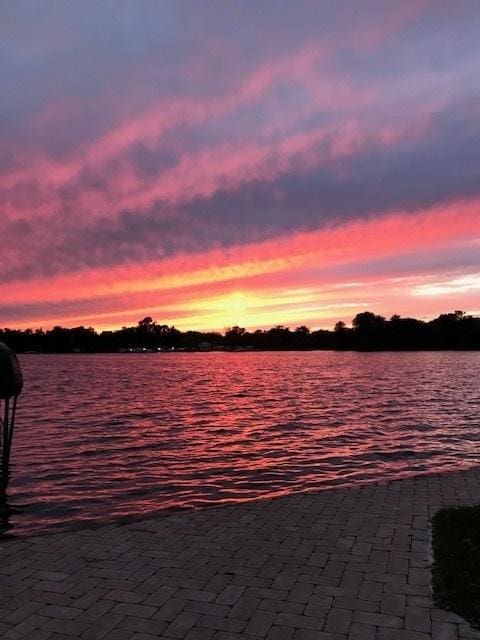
point(100, 436)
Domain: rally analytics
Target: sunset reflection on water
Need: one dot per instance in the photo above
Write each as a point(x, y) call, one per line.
point(101, 436)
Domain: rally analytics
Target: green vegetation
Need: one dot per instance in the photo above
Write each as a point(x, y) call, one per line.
point(456, 568)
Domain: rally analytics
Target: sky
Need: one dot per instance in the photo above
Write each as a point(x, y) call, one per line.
point(212, 163)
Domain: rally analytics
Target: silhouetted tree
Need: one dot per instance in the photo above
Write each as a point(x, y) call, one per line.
point(301, 337)
point(235, 337)
point(369, 331)
point(456, 330)
point(342, 336)
point(279, 337)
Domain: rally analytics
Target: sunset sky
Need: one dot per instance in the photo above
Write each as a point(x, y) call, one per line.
point(252, 162)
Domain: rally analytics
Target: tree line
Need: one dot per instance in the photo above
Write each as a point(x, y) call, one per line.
point(369, 332)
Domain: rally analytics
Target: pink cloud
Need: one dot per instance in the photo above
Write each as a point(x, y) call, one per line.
point(251, 266)
point(169, 142)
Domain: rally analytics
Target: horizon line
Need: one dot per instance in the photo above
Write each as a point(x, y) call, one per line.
point(251, 329)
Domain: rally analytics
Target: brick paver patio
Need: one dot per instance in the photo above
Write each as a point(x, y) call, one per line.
point(346, 563)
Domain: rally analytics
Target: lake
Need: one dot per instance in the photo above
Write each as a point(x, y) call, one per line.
point(106, 436)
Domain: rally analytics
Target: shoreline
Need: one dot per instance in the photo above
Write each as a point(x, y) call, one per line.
point(98, 523)
point(334, 564)
point(241, 350)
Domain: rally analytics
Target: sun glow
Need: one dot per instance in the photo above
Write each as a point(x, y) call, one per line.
point(256, 285)
point(235, 304)
point(228, 310)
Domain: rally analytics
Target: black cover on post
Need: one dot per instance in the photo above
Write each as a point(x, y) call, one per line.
point(11, 379)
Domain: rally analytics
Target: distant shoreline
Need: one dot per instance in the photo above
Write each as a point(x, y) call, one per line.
point(456, 331)
point(278, 350)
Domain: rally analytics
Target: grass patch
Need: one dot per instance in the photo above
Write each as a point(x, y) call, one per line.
point(456, 566)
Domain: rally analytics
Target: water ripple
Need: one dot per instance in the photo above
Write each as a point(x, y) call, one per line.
point(101, 436)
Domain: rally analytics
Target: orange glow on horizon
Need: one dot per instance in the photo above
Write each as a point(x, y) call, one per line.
point(257, 285)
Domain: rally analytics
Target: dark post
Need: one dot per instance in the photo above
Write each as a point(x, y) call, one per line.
point(11, 384)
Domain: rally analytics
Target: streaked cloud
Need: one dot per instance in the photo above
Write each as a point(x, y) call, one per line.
point(463, 284)
point(197, 161)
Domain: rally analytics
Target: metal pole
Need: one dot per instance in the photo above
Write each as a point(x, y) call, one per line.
point(11, 426)
point(6, 436)
point(3, 473)
point(11, 384)
point(1, 429)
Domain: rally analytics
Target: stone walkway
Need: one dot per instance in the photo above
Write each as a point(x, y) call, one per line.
point(347, 563)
